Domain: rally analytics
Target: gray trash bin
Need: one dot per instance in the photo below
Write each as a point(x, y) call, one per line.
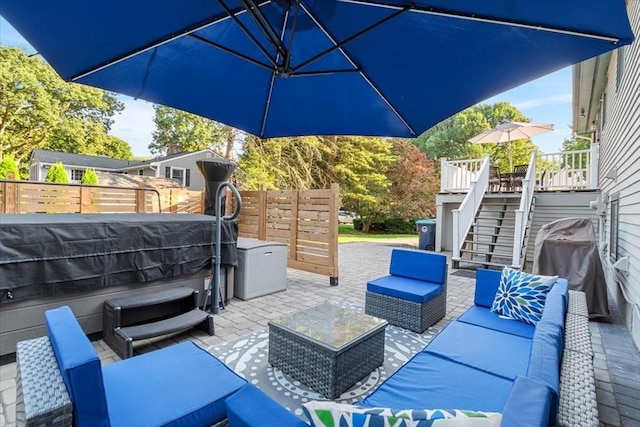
point(426, 234)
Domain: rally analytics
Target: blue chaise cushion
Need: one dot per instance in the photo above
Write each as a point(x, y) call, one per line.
point(80, 367)
point(181, 385)
point(482, 316)
point(419, 265)
point(405, 289)
point(430, 381)
point(490, 351)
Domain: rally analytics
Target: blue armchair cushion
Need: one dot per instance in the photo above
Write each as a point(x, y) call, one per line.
point(521, 296)
point(491, 351)
point(80, 367)
point(482, 316)
point(175, 386)
point(330, 414)
point(419, 265)
point(405, 289)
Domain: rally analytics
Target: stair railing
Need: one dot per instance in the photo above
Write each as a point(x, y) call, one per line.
point(464, 216)
point(522, 214)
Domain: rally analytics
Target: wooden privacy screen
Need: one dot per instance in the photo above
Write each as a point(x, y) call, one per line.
point(43, 197)
point(306, 220)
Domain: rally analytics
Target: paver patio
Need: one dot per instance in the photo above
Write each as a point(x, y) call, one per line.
point(617, 360)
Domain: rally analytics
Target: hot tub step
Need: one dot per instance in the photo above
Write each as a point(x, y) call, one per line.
point(150, 315)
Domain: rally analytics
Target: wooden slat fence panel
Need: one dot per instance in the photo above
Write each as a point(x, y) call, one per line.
point(306, 221)
point(44, 197)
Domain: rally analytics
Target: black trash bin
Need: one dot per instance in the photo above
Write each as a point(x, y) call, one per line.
point(426, 234)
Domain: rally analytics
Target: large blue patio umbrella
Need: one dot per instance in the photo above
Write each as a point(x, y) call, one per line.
point(299, 67)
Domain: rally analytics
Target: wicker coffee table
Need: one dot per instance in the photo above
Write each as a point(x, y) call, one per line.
point(327, 347)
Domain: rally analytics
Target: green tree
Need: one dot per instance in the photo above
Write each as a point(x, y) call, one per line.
point(450, 138)
point(9, 166)
point(116, 148)
point(39, 110)
point(182, 132)
point(89, 177)
point(57, 173)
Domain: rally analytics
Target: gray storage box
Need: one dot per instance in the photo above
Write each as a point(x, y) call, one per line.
point(262, 268)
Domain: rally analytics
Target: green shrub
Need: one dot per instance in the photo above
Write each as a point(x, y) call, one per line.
point(57, 174)
point(89, 177)
point(357, 224)
point(7, 166)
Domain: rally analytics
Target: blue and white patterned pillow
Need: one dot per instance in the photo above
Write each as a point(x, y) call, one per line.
point(521, 296)
point(330, 414)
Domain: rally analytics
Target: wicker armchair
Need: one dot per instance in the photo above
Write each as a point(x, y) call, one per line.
point(414, 294)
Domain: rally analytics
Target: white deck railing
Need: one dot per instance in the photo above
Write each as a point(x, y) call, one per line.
point(522, 213)
point(463, 216)
point(457, 175)
point(567, 170)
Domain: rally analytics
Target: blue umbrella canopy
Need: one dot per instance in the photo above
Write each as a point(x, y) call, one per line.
point(301, 67)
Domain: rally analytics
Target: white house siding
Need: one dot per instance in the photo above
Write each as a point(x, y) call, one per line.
point(620, 150)
point(188, 161)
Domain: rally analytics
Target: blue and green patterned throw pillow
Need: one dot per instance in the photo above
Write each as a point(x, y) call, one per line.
point(521, 296)
point(330, 414)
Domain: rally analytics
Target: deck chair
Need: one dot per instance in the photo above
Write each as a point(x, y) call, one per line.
point(494, 179)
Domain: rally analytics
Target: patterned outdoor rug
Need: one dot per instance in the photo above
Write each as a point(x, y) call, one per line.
point(248, 357)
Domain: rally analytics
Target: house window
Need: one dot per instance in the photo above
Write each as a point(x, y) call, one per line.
point(613, 228)
point(76, 175)
point(141, 172)
point(177, 174)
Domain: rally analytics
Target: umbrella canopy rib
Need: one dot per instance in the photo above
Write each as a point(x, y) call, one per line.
point(246, 31)
point(157, 43)
point(485, 19)
point(361, 72)
point(339, 45)
point(233, 52)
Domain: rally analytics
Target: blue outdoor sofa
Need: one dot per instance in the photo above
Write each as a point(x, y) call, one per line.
point(483, 362)
point(479, 362)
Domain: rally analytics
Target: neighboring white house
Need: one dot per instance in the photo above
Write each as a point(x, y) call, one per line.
point(606, 104)
point(180, 167)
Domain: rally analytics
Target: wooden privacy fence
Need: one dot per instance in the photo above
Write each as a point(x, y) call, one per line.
point(44, 197)
point(306, 220)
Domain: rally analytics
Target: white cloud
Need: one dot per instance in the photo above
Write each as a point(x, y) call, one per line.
point(563, 98)
point(135, 125)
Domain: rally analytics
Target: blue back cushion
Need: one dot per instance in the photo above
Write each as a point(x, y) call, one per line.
point(487, 282)
point(546, 354)
point(528, 405)
point(419, 265)
point(80, 367)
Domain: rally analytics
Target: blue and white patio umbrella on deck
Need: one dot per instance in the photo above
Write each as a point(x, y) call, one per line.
point(300, 67)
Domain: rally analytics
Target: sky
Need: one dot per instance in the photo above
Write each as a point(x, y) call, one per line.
point(545, 100)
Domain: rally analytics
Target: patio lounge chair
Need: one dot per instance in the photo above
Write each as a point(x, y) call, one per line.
point(60, 379)
point(495, 183)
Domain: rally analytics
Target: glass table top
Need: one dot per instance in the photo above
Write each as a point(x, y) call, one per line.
point(330, 324)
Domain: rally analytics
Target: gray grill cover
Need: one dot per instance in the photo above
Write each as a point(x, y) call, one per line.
point(50, 255)
point(567, 248)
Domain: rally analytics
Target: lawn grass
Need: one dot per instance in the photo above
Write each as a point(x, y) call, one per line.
point(347, 234)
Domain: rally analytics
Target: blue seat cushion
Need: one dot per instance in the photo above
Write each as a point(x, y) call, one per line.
point(178, 385)
point(405, 289)
point(491, 351)
point(251, 407)
point(418, 265)
point(482, 316)
point(80, 367)
point(429, 381)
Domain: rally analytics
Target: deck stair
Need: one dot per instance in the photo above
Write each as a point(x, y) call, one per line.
point(152, 314)
point(489, 242)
